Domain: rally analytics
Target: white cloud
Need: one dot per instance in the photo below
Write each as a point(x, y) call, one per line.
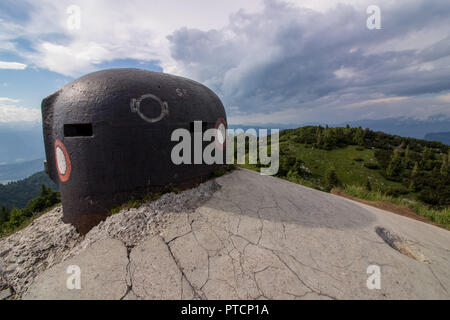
point(8, 100)
point(313, 60)
point(69, 60)
point(11, 113)
point(444, 98)
point(12, 65)
point(284, 63)
point(344, 73)
point(324, 5)
point(111, 30)
point(364, 103)
point(342, 108)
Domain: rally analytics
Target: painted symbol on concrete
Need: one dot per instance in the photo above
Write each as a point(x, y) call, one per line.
point(62, 161)
point(181, 92)
point(221, 133)
point(135, 105)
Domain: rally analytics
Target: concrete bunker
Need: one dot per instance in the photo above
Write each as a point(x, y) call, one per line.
point(107, 138)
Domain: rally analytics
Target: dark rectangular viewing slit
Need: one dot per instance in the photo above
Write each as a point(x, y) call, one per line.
point(78, 130)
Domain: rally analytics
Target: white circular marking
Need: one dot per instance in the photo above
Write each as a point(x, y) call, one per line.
point(221, 133)
point(61, 161)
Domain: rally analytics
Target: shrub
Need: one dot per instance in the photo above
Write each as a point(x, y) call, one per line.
point(331, 180)
point(395, 192)
point(368, 185)
point(4, 214)
point(371, 165)
point(17, 218)
point(429, 196)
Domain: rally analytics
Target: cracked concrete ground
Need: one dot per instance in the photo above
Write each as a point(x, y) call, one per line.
point(259, 237)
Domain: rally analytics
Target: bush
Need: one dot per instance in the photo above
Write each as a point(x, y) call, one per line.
point(383, 157)
point(4, 214)
point(9, 222)
point(429, 196)
point(16, 219)
point(368, 185)
point(46, 199)
point(371, 165)
point(395, 192)
point(331, 180)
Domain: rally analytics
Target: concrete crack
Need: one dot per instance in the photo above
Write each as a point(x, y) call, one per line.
point(183, 275)
point(129, 275)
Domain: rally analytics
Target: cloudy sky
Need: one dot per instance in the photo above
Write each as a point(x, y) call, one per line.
point(270, 61)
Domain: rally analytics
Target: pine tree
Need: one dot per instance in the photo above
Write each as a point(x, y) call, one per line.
point(4, 214)
point(329, 138)
point(406, 160)
point(394, 165)
point(407, 152)
point(331, 180)
point(44, 191)
point(368, 185)
point(412, 186)
point(348, 134)
point(444, 167)
point(415, 170)
point(318, 137)
point(365, 133)
point(16, 218)
point(427, 153)
point(358, 138)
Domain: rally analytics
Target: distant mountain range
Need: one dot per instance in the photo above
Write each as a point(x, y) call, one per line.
point(20, 170)
point(406, 127)
point(20, 142)
point(443, 137)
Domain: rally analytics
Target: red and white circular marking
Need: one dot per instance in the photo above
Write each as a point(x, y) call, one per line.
point(221, 133)
point(62, 161)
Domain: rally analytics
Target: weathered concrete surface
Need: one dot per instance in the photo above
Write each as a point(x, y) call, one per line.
point(28, 252)
point(261, 237)
point(5, 294)
point(103, 269)
point(153, 267)
point(48, 240)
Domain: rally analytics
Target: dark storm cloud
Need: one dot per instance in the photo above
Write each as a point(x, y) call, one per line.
point(285, 57)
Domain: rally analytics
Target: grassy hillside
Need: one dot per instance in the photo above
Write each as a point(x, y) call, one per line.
point(369, 165)
point(24, 200)
point(12, 220)
point(348, 163)
point(17, 194)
